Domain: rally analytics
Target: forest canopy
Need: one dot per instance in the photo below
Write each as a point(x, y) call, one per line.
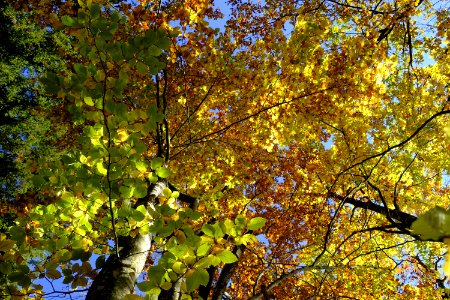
point(224, 150)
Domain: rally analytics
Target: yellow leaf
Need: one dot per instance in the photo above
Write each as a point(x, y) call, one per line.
point(122, 135)
point(101, 169)
point(6, 245)
point(132, 297)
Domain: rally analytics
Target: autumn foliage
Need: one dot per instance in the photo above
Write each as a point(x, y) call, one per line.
point(258, 149)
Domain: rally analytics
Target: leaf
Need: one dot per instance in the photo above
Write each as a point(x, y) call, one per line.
point(6, 245)
point(17, 234)
point(156, 273)
point(5, 267)
point(203, 249)
point(256, 223)
point(163, 172)
point(195, 279)
point(208, 229)
point(140, 191)
point(432, 225)
point(137, 216)
point(246, 239)
point(38, 180)
point(156, 163)
point(100, 262)
point(227, 257)
point(152, 178)
point(126, 191)
point(240, 220)
point(68, 21)
point(146, 286)
point(133, 297)
point(179, 267)
point(101, 169)
point(154, 114)
point(179, 250)
point(205, 262)
point(141, 166)
point(166, 286)
point(95, 11)
point(53, 274)
point(142, 68)
point(89, 101)
point(167, 192)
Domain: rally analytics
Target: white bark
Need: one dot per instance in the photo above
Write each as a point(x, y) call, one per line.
point(118, 277)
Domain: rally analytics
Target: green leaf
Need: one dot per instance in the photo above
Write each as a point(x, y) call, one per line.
point(167, 192)
point(154, 114)
point(156, 273)
point(157, 163)
point(167, 260)
point(62, 242)
point(89, 101)
point(142, 68)
point(203, 249)
point(141, 166)
point(126, 191)
point(137, 216)
point(17, 234)
point(153, 179)
point(157, 226)
point(95, 11)
point(432, 225)
point(240, 220)
point(246, 239)
point(256, 223)
point(5, 267)
point(140, 191)
point(51, 83)
point(162, 172)
point(179, 267)
point(179, 250)
point(68, 21)
point(100, 262)
point(195, 279)
point(133, 297)
point(227, 257)
point(80, 69)
point(208, 229)
point(166, 285)
point(100, 43)
point(37, 180)
point(146, 286)
point(205, 262)
point(101, 169)
point(153, 51)
point(140, 148)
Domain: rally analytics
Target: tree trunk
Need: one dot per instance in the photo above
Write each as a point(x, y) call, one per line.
point(119, 275)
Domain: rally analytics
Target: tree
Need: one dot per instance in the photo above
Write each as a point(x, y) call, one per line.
point(288, 155)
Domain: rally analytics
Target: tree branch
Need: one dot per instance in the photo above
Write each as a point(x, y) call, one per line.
point(405, 220)
point(225, 275)
point(416, 132)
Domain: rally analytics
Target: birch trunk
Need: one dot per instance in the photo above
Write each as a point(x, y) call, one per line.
point(119, 275)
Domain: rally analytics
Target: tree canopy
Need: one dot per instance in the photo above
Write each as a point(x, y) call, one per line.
point(297, 151)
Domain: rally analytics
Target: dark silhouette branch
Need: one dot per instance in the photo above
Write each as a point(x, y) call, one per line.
point(204, 291)
point(401, 220)
point(402, 143)
point(225, 275)
point(243, 119)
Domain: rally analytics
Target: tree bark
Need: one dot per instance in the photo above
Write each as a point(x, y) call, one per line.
point(119, 275)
